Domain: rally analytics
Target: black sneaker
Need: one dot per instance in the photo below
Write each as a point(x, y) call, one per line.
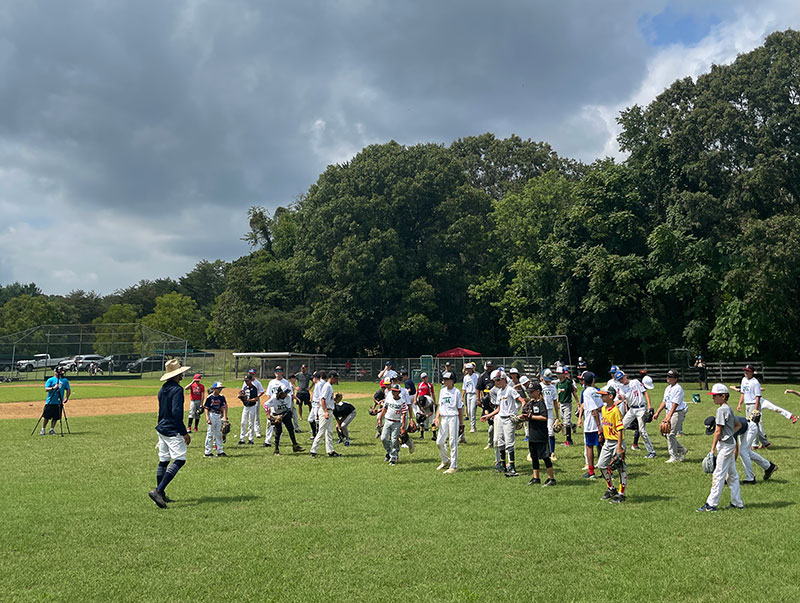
point(297, 448)
point(512, 472)
point(166, 498)
point(277, 452)
point(534, 480)
point(386, 459)
point(549, 482)
point(208, 454)
point(158, 499)
point(392, 462)
point(313, 455)
point(769, 471)
point(334, 453)
point(222, 454)
point(732, 506)
point(748, 482)
point(619, 498)
point(250, 442)
point(241, 442)
point(266, 444)
point(610, 493)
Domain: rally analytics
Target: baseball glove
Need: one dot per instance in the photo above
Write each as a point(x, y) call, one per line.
point(709, 463)
point(421, 417)
point(665, 427)
point(617, 462)
point(275, 418)
point(243, 396)
point(226, 427)
point(755, 416)
point(199, 412)
point(461, 430)
point(413, 428)
point(648, 415)
point(557, 426)
point(373, 411)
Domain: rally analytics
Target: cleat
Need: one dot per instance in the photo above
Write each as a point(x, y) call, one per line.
point(241, 442)
point(250, 442)
point(195, 429)
point(619, 498)
point(158, 498)
point(313, 455)
point(706, 508)
point(347, 442)
point(266, 445)
point(42, 432)
point(392, 462)
point(276, 453)
point(635, 447)
point(748, 482)
point(610, 493)
point(208, 454)
point(378, 435)
point(682, 455)
point(473, 430)
point(441, 466)
point(451, 470)
point(672, 459)
point(52, 431)
point(553, 457)
point(732, 506)
point(512, 472)
point(650, 455)
point(550, 482)
point(297, 448)
point(567, 444)
point(535, 480)
point(410, 446)
point(529, 459)
point(588, 475)
point(219, 454)
point(333, 454)
point(769, 471)
point(487, 447)
point(793, 419)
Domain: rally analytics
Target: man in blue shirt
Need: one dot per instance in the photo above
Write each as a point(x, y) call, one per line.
point(58, 392)
point(173, 436)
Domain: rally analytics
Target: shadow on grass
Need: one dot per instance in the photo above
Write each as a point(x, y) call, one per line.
point(217, 499)
point(646, 498)
point(775, 504)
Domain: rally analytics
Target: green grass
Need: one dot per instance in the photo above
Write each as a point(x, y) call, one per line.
point(79, 524)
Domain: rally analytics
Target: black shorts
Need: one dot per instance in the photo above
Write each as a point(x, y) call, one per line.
point(304, 397)
point(539, 450)
point(52, 411)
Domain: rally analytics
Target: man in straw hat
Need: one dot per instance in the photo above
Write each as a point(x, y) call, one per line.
point(172, 434)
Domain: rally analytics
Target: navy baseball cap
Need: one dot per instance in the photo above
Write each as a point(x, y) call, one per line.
point(588, 376)
point(711, 425)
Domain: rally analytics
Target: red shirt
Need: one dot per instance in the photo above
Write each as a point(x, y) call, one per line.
point(197, 391)
point(425, 389)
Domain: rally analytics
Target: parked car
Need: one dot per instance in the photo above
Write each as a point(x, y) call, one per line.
point(39, 361)
point(117, 362)
point(147, 364)
point(82, 362)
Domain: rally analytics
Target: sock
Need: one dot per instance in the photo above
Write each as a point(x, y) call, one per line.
point(552, 443)
point(170, 473)
point(503, 457)
point(623, 481)
point(162, 469)
point(591, 469)
point(511, 458)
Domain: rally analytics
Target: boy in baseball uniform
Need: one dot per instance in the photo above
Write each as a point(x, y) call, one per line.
point(505, 417)
point(613, 446)
point(750, 389)
point(197, 391)
point(344, 413)
point(249, 398)
point(216, 410)
point(549, 394)
point(638, 403)
point(449, 421)
point(261, 392)
point(590, 415)
point(535, 413)
point(726, 446)
point(426, 396)
point(469, 391)
point(325, 420)
point(566, 392)
point(392, 421)
point(676, 407)
point(279, 413)
point(276, 384)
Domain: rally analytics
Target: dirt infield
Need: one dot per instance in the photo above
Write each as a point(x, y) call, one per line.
point(101, 406)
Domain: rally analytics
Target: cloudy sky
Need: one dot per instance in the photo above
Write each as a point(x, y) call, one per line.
point(135, 135)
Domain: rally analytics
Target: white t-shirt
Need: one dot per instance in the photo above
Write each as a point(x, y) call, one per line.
point(751, 388)
point(395, 409)
point(276, 405)
point(449, 402)
point(634, 393)
point(273, 385)
point(507, 399)
point(315, 397)
point(591, 401)
point(470, 383)
point(549, 394)
point(674, 395)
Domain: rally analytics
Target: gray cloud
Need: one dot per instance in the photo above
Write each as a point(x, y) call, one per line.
point(137, 134)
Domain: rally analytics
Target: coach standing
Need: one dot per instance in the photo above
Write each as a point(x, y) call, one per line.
point(58, 392)
point(172, 434)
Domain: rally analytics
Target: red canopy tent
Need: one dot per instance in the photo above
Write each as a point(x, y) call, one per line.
point(457, 353)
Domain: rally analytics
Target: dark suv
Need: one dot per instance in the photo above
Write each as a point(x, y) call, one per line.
point(147, 364)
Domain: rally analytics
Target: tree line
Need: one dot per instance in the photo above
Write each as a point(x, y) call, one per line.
point(405, 250)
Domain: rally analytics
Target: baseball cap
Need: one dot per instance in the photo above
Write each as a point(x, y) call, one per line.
point(749, 367)
point(279, 369)
point(423, 375)
point(468, 365)
point(719, 388)
point(333, 374)
point(447, 363)
point(386, 383)
point(217, 385)
point(619, 375)
point(285, 390)
point(560, 370)
point(337, 397)
point(711, 425)
point(388, 363)
point(588, 376)
point(197, 377)
point(315, 375)
point(395, 387)
point(610, 390)
point(447, 375)
point(524, 380)
point(672, 373)
point(535, 387)
point(252, 371)
point(647, 381)
point(513, 371)
point(498, 374)
point(489, 363)
point(614, 368)
point(547, 375)
point(404, 371)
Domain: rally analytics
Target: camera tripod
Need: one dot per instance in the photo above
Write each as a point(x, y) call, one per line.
point(61, 422)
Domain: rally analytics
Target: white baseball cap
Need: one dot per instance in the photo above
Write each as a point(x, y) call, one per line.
point(423, 375)
point(560, 370)
point(498, 374)
point(719, 388)
point(547, 375)
point(647, 381)
point(513, 371)
point(524, 380)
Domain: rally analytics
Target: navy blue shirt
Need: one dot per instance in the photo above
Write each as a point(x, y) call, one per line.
point(170, 410)
point(409, 385)
point(343, 409)
point(743, 428)
point(215, 404)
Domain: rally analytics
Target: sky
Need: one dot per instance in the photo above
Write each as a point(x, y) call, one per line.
point(134, 136)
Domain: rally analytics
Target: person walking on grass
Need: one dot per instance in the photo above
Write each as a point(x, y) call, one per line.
point(278, 408)
point(613, 451)
point(566, 392)
point(450, 422)
point(197, 392)
point(590, 414)
point(675, 406)
point(638, 403)
point(216, 409)
point(58, 393)
point(469, 393)
point(392, 422)
point(249, 396)
point(173, 437)
point(726, 446)
point(505, 416)
point(535, 413)
point(279, 382)
point(324, 392)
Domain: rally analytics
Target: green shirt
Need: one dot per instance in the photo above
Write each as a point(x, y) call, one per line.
point(565, 389)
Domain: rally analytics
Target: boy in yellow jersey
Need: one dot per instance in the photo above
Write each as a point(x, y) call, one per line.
point(612, 454)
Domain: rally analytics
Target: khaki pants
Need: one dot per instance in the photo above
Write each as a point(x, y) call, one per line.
point(676, 449)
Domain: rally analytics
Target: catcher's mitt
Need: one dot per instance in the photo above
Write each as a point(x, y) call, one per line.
point(617, 462)
point(755, 416)
point(226, 427)
point(461, 430)
point(557, 426)
point(665, 427)
point(421, 417)
point(709, 463)
point(648, 415)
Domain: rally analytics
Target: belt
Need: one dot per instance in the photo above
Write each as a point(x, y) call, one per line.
point(638, 406)
point(504, 416)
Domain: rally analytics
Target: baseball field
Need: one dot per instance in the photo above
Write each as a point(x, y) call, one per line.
point(79, 524)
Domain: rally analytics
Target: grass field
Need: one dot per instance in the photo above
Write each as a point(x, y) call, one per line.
point(80, 526)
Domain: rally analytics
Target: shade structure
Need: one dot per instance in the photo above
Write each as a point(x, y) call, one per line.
point(457, 353)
